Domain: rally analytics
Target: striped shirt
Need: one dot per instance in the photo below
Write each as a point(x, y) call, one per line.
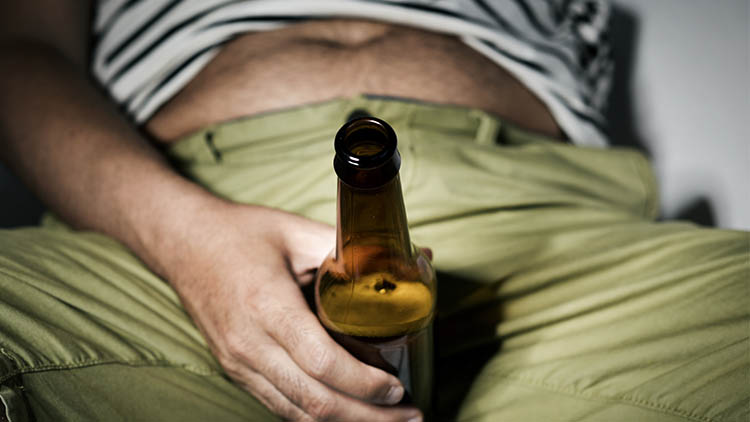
point(145, 51)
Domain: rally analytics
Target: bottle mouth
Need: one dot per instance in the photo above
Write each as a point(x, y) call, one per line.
point(366, 153)
point(365, 142)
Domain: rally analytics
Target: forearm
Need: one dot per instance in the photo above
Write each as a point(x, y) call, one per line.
point(85, 161)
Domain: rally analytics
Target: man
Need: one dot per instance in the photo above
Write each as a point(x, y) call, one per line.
point(545, 246)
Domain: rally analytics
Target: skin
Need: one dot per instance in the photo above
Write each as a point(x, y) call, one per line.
point(320, 60)
point(56, 125)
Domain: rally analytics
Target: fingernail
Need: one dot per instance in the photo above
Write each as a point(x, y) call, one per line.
point(417, 418)
point(395, 394)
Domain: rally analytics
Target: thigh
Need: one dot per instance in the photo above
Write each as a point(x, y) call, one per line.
point(561, 296)
point(88, 333)
point(643, 321)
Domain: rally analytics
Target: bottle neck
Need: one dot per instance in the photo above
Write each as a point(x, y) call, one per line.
point(372, 218)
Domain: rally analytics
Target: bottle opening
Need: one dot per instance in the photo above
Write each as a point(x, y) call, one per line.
point(366, 153)
point(366, 142)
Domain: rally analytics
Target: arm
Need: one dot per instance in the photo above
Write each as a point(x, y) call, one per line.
point(56, 127)
point(88, 164)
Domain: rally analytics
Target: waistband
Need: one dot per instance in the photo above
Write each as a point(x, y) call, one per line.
point(331, 114)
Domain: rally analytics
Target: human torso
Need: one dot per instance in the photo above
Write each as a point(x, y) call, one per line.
point(323, 59)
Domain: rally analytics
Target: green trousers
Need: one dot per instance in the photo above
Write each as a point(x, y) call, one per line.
point(560, 297)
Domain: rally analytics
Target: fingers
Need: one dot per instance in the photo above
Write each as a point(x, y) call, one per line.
point(269, 395)
point(323, 359)
point(300, 333)
point(298, 396)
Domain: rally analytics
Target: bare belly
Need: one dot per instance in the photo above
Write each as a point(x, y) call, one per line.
point(321, 60)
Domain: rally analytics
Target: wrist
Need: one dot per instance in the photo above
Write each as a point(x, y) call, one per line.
point(165, 231)
point(196, 231)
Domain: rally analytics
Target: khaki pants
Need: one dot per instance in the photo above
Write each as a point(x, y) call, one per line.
point(560, 298)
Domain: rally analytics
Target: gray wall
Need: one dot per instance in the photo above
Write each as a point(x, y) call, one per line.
point(687, 76)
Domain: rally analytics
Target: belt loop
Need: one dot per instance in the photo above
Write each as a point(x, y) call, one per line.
point(488, 128)
point(209, 137)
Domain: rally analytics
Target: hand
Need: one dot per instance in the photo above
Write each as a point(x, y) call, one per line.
point(241, 284)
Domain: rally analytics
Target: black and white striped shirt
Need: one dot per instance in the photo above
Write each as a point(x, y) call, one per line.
point(145, 51)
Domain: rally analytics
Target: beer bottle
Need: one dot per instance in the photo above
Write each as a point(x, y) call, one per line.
point(376, 292)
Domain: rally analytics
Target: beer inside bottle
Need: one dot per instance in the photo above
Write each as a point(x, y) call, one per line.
point(376, 292)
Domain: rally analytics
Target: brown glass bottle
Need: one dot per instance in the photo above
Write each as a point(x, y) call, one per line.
point(376, 292)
